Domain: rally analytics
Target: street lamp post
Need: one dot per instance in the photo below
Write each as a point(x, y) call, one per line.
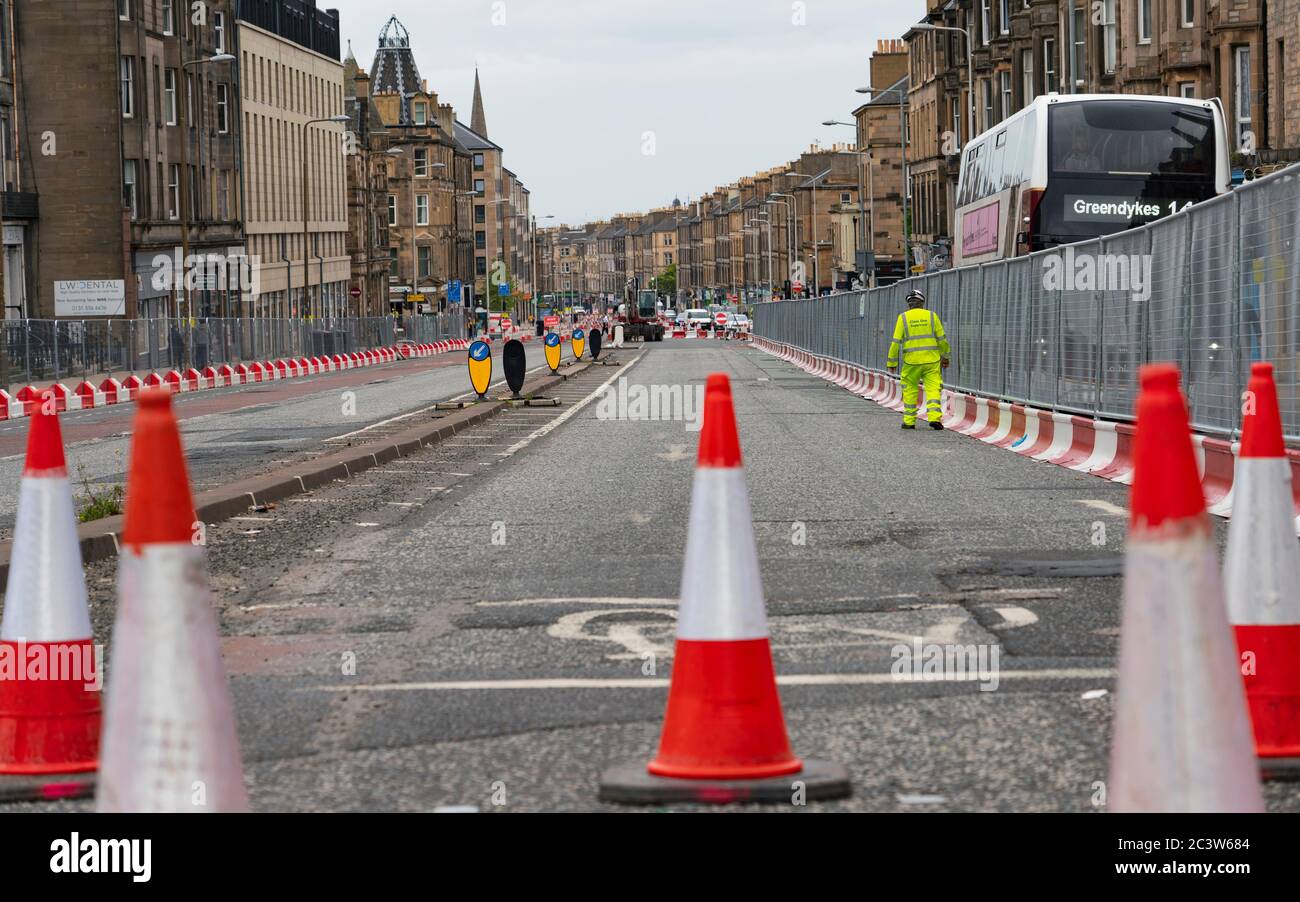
point(813, 180)
point(789, 221)
point(184, 178)
point(862, 219)
point(866, 161)
point(470, 275)
point(907, 182)
point(970, 72)
point(537, 285)
point(757, 226)
point(306, 226)
point(532, 253)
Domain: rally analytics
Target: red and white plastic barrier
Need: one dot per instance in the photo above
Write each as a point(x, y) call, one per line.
point(111, 391)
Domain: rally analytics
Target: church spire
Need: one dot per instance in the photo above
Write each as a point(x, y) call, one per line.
point(478, 122)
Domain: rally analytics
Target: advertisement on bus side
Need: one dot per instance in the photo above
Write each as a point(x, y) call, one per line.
point(979, 229)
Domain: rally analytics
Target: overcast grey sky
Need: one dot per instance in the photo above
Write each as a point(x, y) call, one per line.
point(571, 87)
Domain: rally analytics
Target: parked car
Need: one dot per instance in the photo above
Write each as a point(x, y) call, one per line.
point(697, 318)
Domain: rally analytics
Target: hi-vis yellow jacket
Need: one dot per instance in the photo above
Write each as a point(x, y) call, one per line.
point(921, 335)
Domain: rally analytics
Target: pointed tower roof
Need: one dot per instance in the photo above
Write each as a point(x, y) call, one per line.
point(350, 67)
point(394, 70)
point(477, 121)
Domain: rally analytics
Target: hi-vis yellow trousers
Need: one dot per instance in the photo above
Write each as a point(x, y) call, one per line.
point(914, 375)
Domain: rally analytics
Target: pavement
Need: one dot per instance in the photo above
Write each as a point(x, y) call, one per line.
point(488, 622)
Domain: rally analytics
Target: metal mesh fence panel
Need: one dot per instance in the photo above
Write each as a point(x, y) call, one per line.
point(993, 350)
point(965, 331)
point(1043, 351)
point(1125, 269)
point(1019, 315)
point(1167, 308)
point(1079, 329)
point(1210, 361)
point(37, 352)
point(1269, 289)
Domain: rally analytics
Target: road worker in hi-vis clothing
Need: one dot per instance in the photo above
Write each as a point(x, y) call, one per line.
point(925, 351)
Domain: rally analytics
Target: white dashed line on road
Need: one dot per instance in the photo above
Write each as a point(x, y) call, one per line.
point(793, 679)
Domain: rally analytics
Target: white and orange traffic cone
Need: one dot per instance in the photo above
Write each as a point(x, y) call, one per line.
point(1182, 737)
point(169, 733)
point(1261, 573)
point(49, 684)
point(724, 737)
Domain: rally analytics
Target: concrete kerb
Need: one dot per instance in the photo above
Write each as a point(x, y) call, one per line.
point(99, 538)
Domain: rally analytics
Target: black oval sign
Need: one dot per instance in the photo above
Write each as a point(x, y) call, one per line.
point(514, 362)
point(596, 339)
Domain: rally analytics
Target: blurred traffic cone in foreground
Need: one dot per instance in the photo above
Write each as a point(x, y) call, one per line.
point(49, 686)
point(724, 736)
point(169, 734)
point(1262, 578)
point(1181, 734)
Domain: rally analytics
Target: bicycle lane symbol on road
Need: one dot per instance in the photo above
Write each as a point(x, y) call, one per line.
point(650, 634)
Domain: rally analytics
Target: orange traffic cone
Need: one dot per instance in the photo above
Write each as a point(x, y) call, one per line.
point(169, 735)
point(1181, 734)
point(1262, 576)
point(49, 686)
point(724, 734)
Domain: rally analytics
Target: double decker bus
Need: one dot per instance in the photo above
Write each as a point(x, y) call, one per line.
point(1071, 167)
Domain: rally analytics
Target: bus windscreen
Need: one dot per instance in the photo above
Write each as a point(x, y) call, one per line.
point(1131, 138)
point(1116, 165)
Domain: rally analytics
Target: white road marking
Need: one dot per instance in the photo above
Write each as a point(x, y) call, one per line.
point(396, 419)
point(1104, 506)
point(579, 600)
point(280, 607)
point(553, 424)
point(918, 798)
point(965, 593)
point(942, 633)
point(628, 635)
point(793, 679)
point(1015, 617)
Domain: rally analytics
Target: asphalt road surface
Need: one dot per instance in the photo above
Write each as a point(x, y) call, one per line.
point(489, 622)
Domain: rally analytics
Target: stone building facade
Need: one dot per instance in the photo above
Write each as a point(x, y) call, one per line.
point(172, 122)
point(294, 162)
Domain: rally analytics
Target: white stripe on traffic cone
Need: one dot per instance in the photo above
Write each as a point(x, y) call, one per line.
point(169, 737)
point(1262, 577)
point(1182, 738)
point(49, 715)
